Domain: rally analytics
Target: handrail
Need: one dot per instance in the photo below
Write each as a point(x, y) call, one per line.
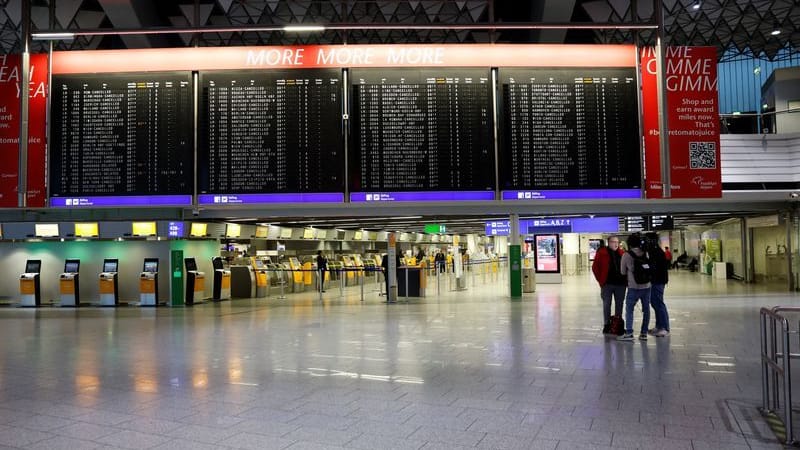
point(772, 370)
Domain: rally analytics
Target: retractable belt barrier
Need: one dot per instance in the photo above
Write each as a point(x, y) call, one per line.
point(776, 364)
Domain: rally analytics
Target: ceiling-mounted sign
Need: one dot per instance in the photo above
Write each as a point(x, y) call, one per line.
point(435, 228)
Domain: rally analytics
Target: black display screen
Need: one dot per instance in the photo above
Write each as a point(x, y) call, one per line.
point(110, 265)
point(122, 134)
point(568, 128)
point(191, 264)
point(421, 130)
point(150, 265)
point(271, 132)
point(71, 266)
point(33, 266)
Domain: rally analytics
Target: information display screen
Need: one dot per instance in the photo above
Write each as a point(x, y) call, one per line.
point(33, 266)
point(271, 132)
point(569, 129)
point(417, 130)
point(71, 266)
point(547, 253)
point(150, 265)
point(110, 265)
point(122, 135)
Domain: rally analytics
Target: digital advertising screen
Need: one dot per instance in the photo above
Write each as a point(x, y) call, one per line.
point(546, 251)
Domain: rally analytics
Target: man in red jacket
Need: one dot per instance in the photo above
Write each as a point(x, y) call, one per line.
point(606, 269)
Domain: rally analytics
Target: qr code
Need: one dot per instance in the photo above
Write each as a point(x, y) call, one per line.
point(703, 155)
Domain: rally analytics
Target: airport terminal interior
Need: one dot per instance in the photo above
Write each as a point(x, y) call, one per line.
point(303, 224)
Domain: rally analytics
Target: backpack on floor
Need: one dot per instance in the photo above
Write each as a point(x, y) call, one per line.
point(616, 325)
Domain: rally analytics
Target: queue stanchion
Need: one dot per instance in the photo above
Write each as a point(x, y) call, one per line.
point(361, 279)
point(341, 282)
point(406, 283)
point(472, 272)
point(282, 283)
point(438, 282)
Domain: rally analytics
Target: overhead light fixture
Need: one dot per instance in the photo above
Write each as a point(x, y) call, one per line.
point(696, 5)
point(53, 36)
point(776, 32)
point(303, 28)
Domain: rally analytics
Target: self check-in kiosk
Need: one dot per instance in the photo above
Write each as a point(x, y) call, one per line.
point(148, 283)
point(68, 283)
point(195, 282)
point(29, 286)
point(109, 291)
point(262, 280)
point(222, 280)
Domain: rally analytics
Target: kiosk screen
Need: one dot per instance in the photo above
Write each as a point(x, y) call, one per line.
point(150, 265)
point(217, 263)
point(110, 265)
point(191, 264)
point(72, 266)
point(33, 266)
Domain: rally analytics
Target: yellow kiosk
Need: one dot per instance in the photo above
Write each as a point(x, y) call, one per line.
point(195, 282)
point(148, 283)
point(30, 291)
point(68, 283)
point(222, 280)
point(109, 292)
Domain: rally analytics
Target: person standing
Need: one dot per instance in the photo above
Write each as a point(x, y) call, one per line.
point(439, 261)
point(607, 272)
point(636, 267)
point(659, 264)
point(322, 267)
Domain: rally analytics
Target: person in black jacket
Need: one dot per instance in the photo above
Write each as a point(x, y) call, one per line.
point(659, 268)
point(322, 267)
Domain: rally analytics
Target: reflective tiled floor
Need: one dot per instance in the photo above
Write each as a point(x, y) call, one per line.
point(460, 370)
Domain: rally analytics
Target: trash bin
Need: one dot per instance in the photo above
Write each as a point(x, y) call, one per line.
point(528, 280)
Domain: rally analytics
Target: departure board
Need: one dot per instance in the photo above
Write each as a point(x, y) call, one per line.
point(122, 135)
point(421, 130)
point(271, 131)
point(569, 129)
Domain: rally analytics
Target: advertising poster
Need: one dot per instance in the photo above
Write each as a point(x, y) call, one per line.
point(693, 116)
point(594, 244)
point(547, 259)
point(10, 88)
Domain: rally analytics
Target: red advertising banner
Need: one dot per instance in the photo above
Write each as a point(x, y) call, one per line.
point(10, 72)
point(693, 115)
point(314, 56)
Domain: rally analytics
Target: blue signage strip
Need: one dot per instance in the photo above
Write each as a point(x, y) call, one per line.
point(573, 194)
point(437, 196)
point(128, 200)
point(240, 199)
point(556, 225)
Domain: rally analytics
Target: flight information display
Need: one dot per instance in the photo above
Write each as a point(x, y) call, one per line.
point(416, 130)
point(271, 136)
point(122, 136)
point(569, 129)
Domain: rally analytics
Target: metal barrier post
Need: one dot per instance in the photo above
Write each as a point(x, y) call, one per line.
point(438, 282)
point(764, 366)
point(787, 387)
point(282, 283)
point(472, 271)
point(341, 282)
point(406, 283)
point(361, 281)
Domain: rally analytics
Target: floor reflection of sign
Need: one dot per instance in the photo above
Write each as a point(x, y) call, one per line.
point(547, 253)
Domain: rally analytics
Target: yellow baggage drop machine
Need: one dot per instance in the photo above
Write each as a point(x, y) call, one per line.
point(148, 283)
point(262, 280)
point(195, 282)
point(69, 283)
point(109, 290)
point(29, 285)
point(222, 280)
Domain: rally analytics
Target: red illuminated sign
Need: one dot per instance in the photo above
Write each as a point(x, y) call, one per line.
point(693, 115)
point(10, 72)
point(312, 56)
